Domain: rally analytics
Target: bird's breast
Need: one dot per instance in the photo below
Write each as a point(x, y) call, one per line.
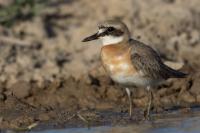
point(117, 61)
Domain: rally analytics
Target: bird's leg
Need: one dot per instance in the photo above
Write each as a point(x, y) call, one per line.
point(130, 101)
point(149, 104)
point(150, 97)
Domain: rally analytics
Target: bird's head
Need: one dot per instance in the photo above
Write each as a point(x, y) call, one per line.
point(110, 32)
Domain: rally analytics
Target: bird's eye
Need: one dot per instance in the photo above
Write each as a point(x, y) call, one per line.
point(110, 29)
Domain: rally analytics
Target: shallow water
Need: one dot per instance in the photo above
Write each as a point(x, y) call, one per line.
point(168, 122)
point(167, 125)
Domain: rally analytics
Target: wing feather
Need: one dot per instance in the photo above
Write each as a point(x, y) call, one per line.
point(148, 61)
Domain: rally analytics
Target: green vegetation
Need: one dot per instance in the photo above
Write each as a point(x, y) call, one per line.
point(20, 10)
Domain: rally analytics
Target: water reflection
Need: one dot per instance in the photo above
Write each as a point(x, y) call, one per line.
point(170, 125)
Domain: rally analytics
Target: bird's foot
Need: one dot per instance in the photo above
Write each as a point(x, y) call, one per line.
point(147, 115)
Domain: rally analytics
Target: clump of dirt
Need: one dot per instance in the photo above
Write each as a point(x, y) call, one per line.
point(48, 75)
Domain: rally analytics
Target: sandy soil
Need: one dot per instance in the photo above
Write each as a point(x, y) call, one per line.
point(47, 74)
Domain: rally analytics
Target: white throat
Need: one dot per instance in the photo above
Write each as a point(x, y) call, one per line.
point(108, 40)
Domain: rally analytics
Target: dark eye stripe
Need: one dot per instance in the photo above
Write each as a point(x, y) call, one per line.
point(114, 32)
point(111, 31)
point(118, 33)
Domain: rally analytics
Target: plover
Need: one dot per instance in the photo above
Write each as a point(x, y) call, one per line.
point(129, 62)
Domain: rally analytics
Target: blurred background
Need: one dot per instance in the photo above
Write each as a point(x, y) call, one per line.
point(41, 39)
point(44, 63)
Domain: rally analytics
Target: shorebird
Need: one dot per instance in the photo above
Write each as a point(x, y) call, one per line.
point(129, 62)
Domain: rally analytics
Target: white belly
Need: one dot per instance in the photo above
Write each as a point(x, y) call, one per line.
point(134, 80)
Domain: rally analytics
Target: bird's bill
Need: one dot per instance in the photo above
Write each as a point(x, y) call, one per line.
point(92, 37)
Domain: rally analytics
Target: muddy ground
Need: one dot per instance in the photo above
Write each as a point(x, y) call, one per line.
point(47, 75)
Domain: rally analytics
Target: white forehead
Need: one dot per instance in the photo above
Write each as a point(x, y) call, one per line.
point(101, 30)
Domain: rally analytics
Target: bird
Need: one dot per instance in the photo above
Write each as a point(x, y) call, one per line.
point(129, 62)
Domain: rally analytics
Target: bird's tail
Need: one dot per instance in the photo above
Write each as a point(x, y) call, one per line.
point(175, 73)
